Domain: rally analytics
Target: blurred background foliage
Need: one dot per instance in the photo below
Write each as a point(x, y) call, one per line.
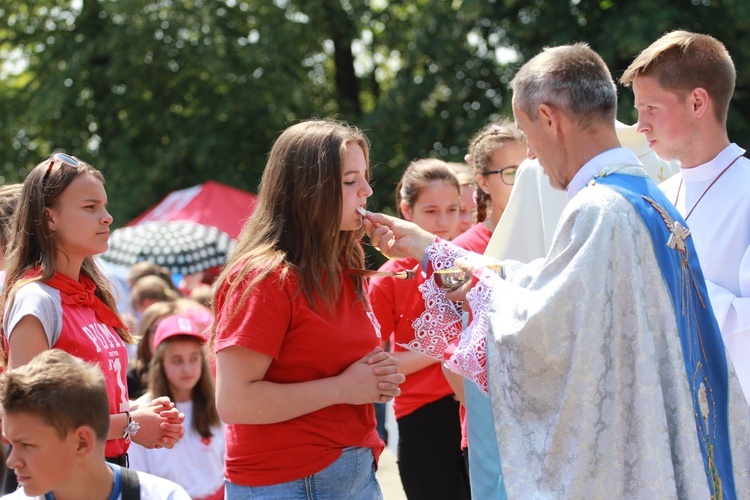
point(165, 94)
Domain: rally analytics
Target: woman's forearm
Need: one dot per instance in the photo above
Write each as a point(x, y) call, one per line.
point(117, 424)
point(411, 362)
point(263, 402)
point(244, 397)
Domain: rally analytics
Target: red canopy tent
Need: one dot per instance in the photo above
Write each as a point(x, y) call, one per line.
point(210, 203)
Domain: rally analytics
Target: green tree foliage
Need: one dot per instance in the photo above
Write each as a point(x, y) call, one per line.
point(620, 29)
point(164, 94)
point(159, 95)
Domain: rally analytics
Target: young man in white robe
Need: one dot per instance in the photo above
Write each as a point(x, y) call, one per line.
point(683, 83)
point(603, 360)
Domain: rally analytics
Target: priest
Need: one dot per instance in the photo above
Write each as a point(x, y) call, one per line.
point(603, 360)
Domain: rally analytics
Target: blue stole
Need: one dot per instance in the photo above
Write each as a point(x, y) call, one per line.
point(702, 346)
point(485, 466)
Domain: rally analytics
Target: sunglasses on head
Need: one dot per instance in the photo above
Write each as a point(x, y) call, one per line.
point(64, 159)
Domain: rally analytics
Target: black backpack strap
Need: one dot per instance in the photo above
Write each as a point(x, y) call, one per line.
point(131, 486)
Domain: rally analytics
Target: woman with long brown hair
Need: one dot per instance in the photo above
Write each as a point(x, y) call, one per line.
point(297, 346)
point(56, 297)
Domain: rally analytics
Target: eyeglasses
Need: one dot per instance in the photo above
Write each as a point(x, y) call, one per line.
point(507, 174)
point(64, 159)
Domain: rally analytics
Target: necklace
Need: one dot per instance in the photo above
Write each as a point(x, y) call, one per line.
point(679, 188)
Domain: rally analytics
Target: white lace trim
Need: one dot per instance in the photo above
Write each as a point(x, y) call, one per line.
point(470, 356)
point(440, 323)
point(443, 255)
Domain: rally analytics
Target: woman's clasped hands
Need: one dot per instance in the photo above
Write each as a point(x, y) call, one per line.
point(160, 424)
point(372, 379)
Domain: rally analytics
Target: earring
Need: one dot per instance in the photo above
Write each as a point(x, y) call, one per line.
point(53, 229)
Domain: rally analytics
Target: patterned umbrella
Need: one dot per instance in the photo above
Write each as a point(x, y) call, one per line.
point(183, 247)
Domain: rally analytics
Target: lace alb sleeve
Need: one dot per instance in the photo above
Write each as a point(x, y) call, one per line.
point(469, 359)
point(440, 323)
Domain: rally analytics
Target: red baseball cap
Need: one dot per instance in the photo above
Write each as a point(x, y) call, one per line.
point(177, 324)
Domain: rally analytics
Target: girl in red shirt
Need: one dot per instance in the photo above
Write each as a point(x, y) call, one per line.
point(298, 354)
point(495, 153)
point(430, 461)
point(56, 297)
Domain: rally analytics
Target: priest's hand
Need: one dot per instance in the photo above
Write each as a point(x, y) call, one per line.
point(396, 238)
point(470, 265)
point(459, 294)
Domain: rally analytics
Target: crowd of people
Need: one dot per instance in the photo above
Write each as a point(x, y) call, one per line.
point(598, 346)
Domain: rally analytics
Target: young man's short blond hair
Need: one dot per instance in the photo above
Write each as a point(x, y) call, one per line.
point(62, 390)
point(681, 61)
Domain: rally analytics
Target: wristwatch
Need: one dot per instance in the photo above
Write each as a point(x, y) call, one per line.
point(132, 428)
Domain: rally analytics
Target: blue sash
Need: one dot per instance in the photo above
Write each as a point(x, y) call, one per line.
point(702, 346)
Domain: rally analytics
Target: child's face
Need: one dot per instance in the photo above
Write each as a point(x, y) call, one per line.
point(42, 461)
point(81, 219)
point(508, 156)
point(183, 362)
point(467, 213)
point(435, 209)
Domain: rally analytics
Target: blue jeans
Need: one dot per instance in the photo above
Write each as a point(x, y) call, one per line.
point(351, 476)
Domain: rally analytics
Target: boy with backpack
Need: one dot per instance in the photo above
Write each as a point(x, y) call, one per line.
point(56, 417)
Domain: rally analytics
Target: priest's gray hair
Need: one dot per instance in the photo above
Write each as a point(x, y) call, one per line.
point(572, 78)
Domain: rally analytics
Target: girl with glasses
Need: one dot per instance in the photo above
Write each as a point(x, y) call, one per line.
point(56, 297)
point(495, 153)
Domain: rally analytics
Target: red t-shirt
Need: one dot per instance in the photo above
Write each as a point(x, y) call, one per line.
point(305, 344)
point(77, 331)
point(476, 240)
point(397, 303)
point(98, 343)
